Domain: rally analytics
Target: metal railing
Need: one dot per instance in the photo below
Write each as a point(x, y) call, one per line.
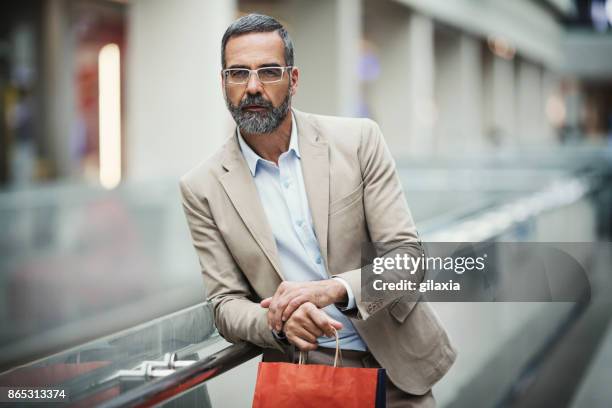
point(186, 378)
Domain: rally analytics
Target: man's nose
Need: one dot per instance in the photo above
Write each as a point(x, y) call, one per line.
point(254, 85)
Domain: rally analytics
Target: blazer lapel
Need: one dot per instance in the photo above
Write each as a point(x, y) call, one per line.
point(315, 168)
point(240, 187)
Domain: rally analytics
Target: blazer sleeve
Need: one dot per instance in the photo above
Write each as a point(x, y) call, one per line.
point(387, 215)
point(237, 316)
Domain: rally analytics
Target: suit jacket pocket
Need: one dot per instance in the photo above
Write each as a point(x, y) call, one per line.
point(425, 332)
point(401, 308)
point(344, 202)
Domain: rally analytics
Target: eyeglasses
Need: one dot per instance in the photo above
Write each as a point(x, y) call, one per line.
point(265, 75)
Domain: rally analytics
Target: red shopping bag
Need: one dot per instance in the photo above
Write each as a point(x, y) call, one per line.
point(304, 386)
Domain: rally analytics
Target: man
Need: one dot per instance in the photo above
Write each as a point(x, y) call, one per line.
point(278, 217)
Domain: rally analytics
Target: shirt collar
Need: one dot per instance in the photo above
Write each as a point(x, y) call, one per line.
point(253, 158)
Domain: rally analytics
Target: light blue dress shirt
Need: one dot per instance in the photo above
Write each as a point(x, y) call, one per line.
point(283, 196)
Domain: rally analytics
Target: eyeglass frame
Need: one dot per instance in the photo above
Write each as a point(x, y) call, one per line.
point(285, 69)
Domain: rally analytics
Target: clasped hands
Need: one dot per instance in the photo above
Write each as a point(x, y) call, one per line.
point(296, 307)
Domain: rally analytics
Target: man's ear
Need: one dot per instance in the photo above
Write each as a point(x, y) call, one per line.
point(295, 76)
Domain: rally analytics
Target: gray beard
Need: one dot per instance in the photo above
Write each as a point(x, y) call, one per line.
point(259, 122)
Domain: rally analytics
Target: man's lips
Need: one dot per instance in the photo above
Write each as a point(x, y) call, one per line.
point(255, 108)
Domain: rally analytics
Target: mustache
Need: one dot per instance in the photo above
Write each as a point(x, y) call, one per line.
point(255, 100)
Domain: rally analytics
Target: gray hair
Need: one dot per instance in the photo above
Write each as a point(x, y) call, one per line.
point(257, 23)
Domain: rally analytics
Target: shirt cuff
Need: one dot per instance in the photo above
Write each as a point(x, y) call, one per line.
point(280, 337)
point(349, 293)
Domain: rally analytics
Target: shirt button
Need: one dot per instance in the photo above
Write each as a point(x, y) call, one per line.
point(318, 260)
point(300, 223)
point(286, 184)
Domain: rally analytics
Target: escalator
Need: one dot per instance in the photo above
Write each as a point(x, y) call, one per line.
point(102, 297)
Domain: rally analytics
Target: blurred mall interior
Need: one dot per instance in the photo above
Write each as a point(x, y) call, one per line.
point(498, 114)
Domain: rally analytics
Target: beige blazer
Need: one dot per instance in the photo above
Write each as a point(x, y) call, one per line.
point(355, 196)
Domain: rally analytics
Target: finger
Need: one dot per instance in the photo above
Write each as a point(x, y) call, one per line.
point(277, 305)
point(273, 314)
point(310, 327)
point(336, 324)
point(281, 305)
point(292, 306)
point(299, 328)
point(305, 334)
point(301, 325)
point(323, 321)
point(270, 302)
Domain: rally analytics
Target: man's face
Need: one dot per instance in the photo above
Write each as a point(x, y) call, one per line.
point(257, 107)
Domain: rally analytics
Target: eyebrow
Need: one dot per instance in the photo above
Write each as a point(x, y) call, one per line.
point(270, 64)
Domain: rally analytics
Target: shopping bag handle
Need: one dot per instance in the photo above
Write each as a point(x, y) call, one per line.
point(338, 357)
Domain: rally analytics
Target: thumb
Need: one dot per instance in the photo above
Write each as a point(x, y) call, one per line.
point(266, 302)
point(335, 324)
